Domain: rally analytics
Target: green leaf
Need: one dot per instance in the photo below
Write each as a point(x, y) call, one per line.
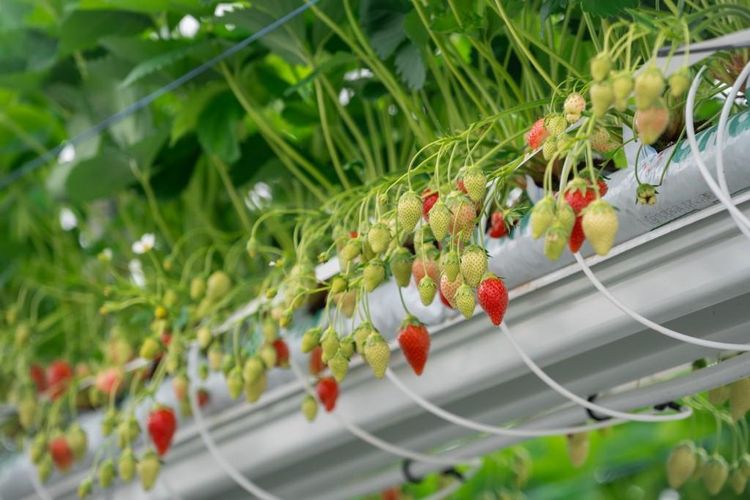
point(97, 177)
point(82, 29)
point(159, 62)
point(186, 118)
point(415, 30)
point(410, 66)
point(217, 127)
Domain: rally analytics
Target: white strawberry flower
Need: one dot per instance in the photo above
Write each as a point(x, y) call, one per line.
point(145, 244)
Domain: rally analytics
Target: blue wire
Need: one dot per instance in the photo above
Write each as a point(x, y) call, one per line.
point(97, 129)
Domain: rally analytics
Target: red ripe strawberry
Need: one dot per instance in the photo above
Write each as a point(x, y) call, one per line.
point(580, 193)
point(61, 452)
point(415, 343)
point(576, 236)
point(38, 376)
point(161, 427)
point(448, 289)
point(109, 380)
point(316, 360)
point(429, 198)
point(443, 299)
point(59, 374)
point(420, 267)
point(353, 234)
point(203, 397)
point(493, 297)
point(282, 352)
point(497, 225)
point(166, 337)
point(460, 185)
point(328, 392)
point(537, 134)
point(390, 494)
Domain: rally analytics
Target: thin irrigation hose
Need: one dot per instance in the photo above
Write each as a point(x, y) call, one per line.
point(721, 139)
point(491, 429)
point(562, 391)
point(710, 344)
point(379, 443)
point(231, 471)
point(739, 219)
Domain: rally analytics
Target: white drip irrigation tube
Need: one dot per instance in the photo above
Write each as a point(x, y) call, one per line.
point(635, 417)
point(739, 218)
point(710, 344)
point(231, 471)
point(721, 139)
point(379, 443)
point(491, 429)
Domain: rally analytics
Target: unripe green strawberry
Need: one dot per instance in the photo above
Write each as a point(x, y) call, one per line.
point(373, 274)
point(339, 365)
point(254, 389)
point(427, 289)
point(449, 265)
point(549, 148)
point(218, 286)
point(338, 284)
point(350, 251)
point(602, 97)
point(650, 123)
point(473, 265)
point(715, 474)
point(27, 411)
point(270, 329)
point(268, 355)
point(681, 464)
point(215, 357)
point(600, 226)
point(126, 465)
point(679, 82)
point(646, 194)
point(309, 408)
point(22, 334)
point(649, 85)
point(465, 300)
point(109, 421)
point(367, 252)
point(401, 262)
point(311, 338)
point(377, 354)
point(409, 210)
point(542, 216)
point(555, 124)
point(329, 341)
point(85, 487)
point(150, 348)
point(738, 480)
point(38, 448)
point(379, 237)
point(463, 216)
point(360, 335)
point(555, 240)
point(601, 140)
point(566, 216)
point(600, 66)
point(578, 448)
point(346, 346)
point(440, 220)
point(235, 382)
point(270, 293)
point(739, 398)
point(227, 363)
point(254, 368)
point(148, 469)
point(622, 86)
point(475, 183)
point(127, 432)
point(204, 337)
point(701, 459)
point(106, 473)
point(745, 464)
point(77, 441)
point(347, 302)
point(448, 288)
point(574, 106)
point(44, 468)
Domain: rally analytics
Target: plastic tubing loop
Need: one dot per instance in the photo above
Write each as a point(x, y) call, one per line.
point(721, 137)
point(379, 443)
point(562, 391)
point(491, 429)
point(240, 479)
point(739, 218)
point(710, 344)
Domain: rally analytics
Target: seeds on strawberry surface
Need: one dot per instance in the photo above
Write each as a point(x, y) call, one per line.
point(440, 220)
point(574, 106)
point(409, 210)
point(576, 236)
point(498, 229)
point(465, 301)
point(542, 216)
point(339, 365)
point(328, 392)
point(602, 96)
point(377, 354)
point(681, 464)
point(715, 474)
point(427, 290)
point(161, 425)
point(650, 123)
point(537, 134)
point(449, 265)
point(309, 408)
point(429, 198)
point(600, 66)
point(401, 266)
point(448, 288)
point(379, 237)
point(414, 340)
point(473, 265)
point(649, 85)
point(373, 274)
point(475, 183)
point(554, 241)
point(600, 226)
